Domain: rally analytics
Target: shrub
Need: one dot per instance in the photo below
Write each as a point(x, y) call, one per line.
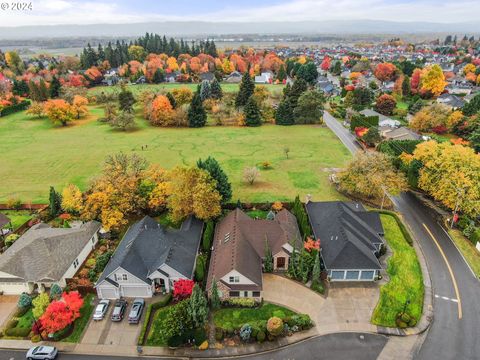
point(102, 261)
point(245, 332)
point(241, 302)
point(11, 239)
point(404, 320)
point(35, 338)
point(11, 324)
point(200, 336)
point(55, 291)
point(25, 301)
point(317, 286)
point(175, 341)
point(204, 345)
point(92, 275)
point(90, 263)
point(275, 326)
point(17, 332)
point(218, 334)
point(261, 336)
point(22, 311)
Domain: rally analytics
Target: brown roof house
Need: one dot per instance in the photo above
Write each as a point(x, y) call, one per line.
point(238, 251)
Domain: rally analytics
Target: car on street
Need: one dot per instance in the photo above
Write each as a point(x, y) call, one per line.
point(136, 311)
point(101, 310)
point(42, 352)
point(119, 310)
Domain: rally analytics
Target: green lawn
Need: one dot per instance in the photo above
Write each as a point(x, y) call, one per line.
point(80, 324)
point(261, 214)
point(37, 155)
point(236, 317)
point(226, 87)
point(402, 105)
point(406, 282)
point(155, 337)
point(17, 217)
point(468, 250)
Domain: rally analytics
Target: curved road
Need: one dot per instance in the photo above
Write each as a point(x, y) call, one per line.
point(454, 333)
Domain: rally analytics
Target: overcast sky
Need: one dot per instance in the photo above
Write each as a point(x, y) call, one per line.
point(54, 12)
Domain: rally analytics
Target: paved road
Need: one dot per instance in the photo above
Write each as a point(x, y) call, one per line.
point(454, 333)
point(332, 347)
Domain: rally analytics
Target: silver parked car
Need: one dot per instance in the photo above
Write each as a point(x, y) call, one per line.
point(42, 352)
point(101, 309)
point(136, 311)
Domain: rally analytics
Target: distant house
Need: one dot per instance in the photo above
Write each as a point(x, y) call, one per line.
point(264, 78)
point(350, 239)
point(207, 76)
point(451, 101)
point(4, 221)
point(150, 258)
point(235, 77)
point(401, 133)
point(44, 255)
point(383, 121)
point(239, 250)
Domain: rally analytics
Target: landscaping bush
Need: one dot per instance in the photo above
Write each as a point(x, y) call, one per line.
point(218, 334)
point(404, 320)
point(245, 332)
point(241, 302)
point(59, 335)
point(318, 287)
point(90, 263)
point(35, 338)
point(275, 326)
point(261, 336)
point(55, 291)
point(17, 332)
point(102, 261)
point(14, 108)
point(11, 239)
point(21, 311)
point(175, 341)
point(11, 324)
point(25, 301)
point(303, 321)
point(159, 304)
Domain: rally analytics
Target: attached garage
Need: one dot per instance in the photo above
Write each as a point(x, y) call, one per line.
point(352, 275)
point(136, 291)
point(107, 292)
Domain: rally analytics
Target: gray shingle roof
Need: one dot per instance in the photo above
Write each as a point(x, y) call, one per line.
point(46, 253)
point(4, 220)
point(147, 245)
point(347, 234)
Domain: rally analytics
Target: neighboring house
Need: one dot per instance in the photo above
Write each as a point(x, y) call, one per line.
point(235, 77)
point(452, 101)
point(350, 239)
point(401, 133)
point(4, 220)
point(207, 76)
point(382, 119)
point(264, 78)
point(44, 255)
point(238, 251)
point(150, 258)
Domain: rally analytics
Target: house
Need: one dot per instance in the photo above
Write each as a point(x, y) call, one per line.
point(4, 220)
point(264, 78)
point(350, 239)
point(383, 121)
point(238, 251)
point(452, 101)
point(401, 133)
point(207, 76)
point(45, 255)
point(235, 77)
point(150, 258)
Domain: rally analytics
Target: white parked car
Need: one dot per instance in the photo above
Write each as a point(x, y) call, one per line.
point(101, 309)
point(42, 352)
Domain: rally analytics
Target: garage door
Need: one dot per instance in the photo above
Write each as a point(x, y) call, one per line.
point(136, 291)
point(107, 293)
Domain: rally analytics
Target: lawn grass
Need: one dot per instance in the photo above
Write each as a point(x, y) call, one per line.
point(260, 214)
point(85, 314)
point(155, 337)
point(468, 250)
point(37, 155)
point(406, 282)
point(236, 317)
point(17, 217)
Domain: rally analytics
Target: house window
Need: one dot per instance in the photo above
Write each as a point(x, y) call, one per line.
point(245, 294)
point(234, 293)
point(124, 277)
point(256, 293)
point(234, 279)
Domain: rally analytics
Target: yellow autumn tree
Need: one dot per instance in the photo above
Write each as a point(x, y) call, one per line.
point(431, 116)
point(432, 80)
point(172, 64)
point(450, 174)
point(453, 119)
point(193, 192)
point(469, 68)
point(227, 66)
point(72, 200)
point(79, 106)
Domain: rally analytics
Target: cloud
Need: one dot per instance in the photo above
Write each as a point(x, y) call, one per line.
point(55, 12)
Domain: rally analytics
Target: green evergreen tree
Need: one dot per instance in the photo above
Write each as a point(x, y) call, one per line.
point(33, 91)
point(205, 92)
point(55, 88)
point(197, 116)
point(216, 91)
point(284, 113)
point(211, 165)
point(158, 77)
point(198, 307)
point(292, 263)
point(337, 68)
point(252, 113)
point(55, 201)
point(268, 262)
point(247, 87)
point(126, 100)
point(172, 100)
point(282, 73)
point(215, 298)
point(55, 291)
point(298, 88)
point(308, 72)
point(406, 86)
point(208, 236)
point(316, 268)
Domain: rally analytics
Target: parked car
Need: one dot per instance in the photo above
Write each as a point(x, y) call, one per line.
point(136, 311)
point(101, 309)
point(42, 352)
point(119, 310)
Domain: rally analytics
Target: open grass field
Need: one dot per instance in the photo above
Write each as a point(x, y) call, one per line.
point(406, 282)
point(37, 155)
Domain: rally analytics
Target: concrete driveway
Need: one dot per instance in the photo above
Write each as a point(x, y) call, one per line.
point(8, 304)
point(348, 307)
point(107, 332)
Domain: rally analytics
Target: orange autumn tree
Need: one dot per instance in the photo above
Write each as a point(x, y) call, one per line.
point(385, 71)
point(311, 244)
point(325, 63)
point(93, 75)
point(161, 112)
point(61, 313)
point(59, 111)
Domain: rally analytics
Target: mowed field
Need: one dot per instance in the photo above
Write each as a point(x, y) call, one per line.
point(36, 155)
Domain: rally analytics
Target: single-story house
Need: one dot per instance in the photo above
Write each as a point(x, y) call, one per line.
point(350, 239)
point(401, 133)
point(207, 76)
point(150, 258)
point(44, 255)
point(383, 121)
point(238, 251)
point(264, 78)
point(235, 77)
point(452, 101)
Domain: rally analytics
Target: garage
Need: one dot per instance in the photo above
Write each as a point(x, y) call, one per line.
point(107, 293)
point(136, 291)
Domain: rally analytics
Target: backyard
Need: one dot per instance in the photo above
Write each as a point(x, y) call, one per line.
point(17, 217)
point(37, 155)
point(406, 281)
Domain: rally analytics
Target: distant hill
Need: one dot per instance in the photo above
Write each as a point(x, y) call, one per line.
point(199, 28)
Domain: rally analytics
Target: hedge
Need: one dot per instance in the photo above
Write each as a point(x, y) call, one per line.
point(152, 307)
point(402, 227)
point(14, 108)
point(18, 332)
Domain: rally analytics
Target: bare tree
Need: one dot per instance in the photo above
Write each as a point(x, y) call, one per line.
point(250, 174)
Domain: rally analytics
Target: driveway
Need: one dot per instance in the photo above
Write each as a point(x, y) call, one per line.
point(8, 304)
point(107, 332)
point(348, 307)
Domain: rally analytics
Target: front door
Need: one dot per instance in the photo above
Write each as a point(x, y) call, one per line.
point(280, 263)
